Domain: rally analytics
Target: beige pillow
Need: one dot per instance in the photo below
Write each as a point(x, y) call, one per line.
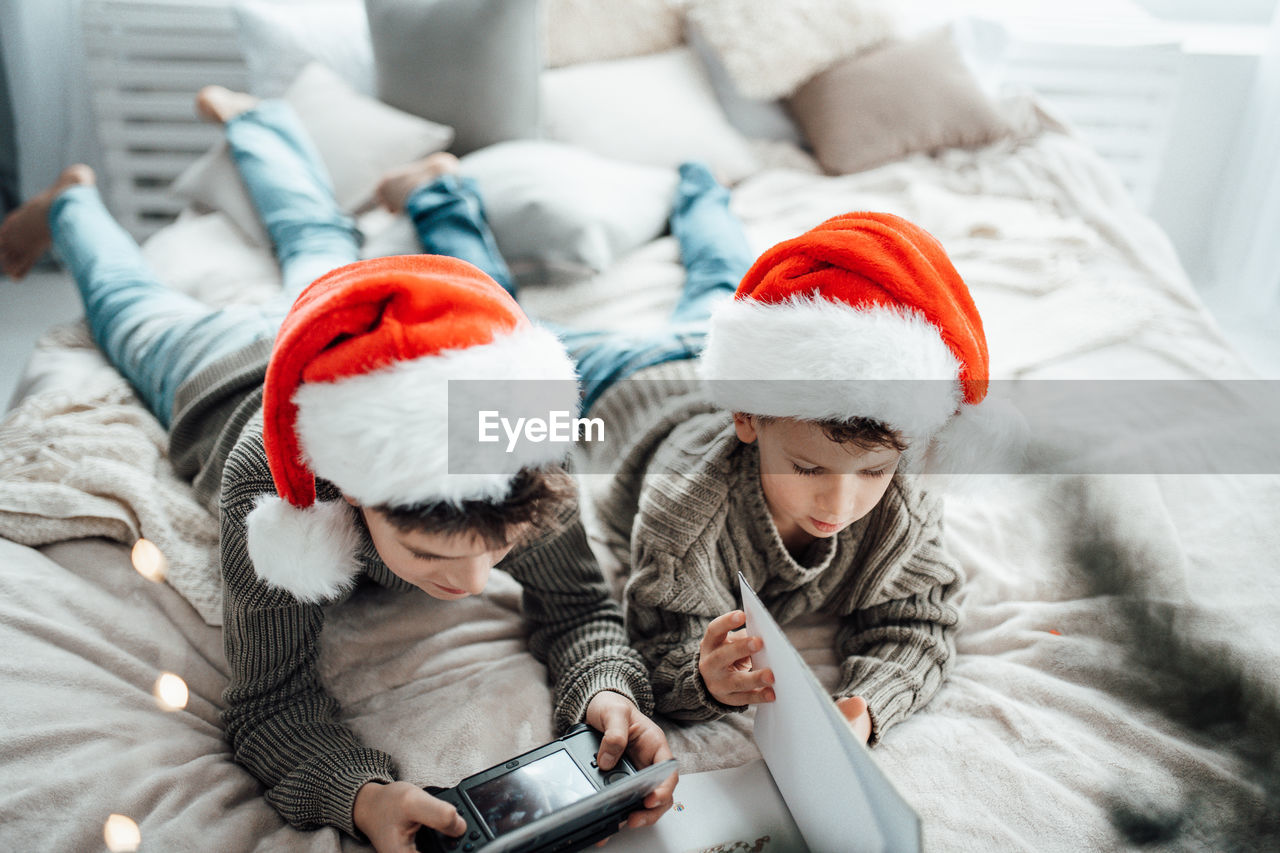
point(357, 137)
point(591, 31)
point(911, 96)
point(770, 47)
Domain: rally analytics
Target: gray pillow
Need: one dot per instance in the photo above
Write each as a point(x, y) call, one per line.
point(757, 119)
point(470, 64)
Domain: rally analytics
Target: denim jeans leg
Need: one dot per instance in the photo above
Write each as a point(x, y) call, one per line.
point(604, 358)
point(713, 244)
point(449, 217)
point(294, 197)
point(156, 337)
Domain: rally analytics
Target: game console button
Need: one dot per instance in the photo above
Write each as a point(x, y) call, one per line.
point(616, 776)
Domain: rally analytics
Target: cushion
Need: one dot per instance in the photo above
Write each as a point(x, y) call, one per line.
point(770, 47)
point(278, 42)
point(658, 109)
point(912, 96)
point(590, 31)
point(357, 137)
point(756, 119)
point(560, 211)
point(470, 64)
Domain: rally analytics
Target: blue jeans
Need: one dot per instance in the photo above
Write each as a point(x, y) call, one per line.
point(715, 253)
point(157, 337)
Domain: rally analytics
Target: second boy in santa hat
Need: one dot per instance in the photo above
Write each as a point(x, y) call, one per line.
point(846, 357)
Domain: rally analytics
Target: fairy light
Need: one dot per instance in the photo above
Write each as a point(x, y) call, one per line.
point(170, 692)
point(149, 560)
point(121, 834)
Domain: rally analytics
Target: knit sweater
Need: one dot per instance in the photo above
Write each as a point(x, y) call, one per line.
point(686, 512)
point(281, 723)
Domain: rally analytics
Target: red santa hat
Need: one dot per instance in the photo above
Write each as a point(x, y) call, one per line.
point(861, 298)
point(357, 393)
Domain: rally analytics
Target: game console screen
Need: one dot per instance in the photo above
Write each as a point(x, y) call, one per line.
point(530, 792)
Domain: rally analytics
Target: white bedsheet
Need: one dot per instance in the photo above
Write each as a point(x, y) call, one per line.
point(1117, 674)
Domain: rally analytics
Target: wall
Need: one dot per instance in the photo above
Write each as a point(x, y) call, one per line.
point(1201, 140)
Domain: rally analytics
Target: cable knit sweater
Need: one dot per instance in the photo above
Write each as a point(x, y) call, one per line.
point(685, 513)
point(281, 723)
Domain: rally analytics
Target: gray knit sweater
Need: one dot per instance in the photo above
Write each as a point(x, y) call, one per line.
point(685, 513)
point(281, 723)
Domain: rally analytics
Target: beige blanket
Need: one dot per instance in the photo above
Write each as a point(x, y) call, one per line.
point(1117, 682)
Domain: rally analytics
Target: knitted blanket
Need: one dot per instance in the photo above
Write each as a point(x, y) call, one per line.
point(86, 459)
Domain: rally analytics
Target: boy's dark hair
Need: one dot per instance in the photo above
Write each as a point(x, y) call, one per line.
point(536, 496)
point(862, 433)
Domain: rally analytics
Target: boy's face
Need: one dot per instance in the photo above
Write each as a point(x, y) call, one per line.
point(815, 487)
point(447, 567)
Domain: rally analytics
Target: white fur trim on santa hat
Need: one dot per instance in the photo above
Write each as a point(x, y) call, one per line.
point(811, 344)
point(383, 437)
point(309, 552)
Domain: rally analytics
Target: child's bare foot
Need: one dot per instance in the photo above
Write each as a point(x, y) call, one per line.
point(24, 234)
point(396, 185)
point(220, 104)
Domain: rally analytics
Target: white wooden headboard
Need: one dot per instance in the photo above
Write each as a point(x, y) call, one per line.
point(146, 61)
point(147, 58)
point(1119, 97)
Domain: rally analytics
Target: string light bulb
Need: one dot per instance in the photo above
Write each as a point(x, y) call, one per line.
point(121, 834)
point(170, 692)
point(149, 560)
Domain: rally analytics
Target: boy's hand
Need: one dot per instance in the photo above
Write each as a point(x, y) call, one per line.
point(724, 660)
point(854, 709)
point(625, 728)
point(391, 815)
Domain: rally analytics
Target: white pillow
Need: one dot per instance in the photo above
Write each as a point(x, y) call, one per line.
point(358, 139)
point(279, 39)
point(576, 31)
point(658, 109)
point(558, 211)
point(770, 47)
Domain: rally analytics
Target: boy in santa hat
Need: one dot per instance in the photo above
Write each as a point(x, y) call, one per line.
point(324, 456)
point(844, 356)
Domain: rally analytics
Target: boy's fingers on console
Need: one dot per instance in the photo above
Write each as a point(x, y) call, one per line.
point(613, 740)
point(437, 814)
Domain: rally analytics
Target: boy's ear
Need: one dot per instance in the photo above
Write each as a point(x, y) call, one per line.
point(355, 503)
point(745, 426)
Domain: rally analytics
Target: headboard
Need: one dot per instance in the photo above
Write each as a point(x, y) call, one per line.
point(146, 60)
point(1120, 97)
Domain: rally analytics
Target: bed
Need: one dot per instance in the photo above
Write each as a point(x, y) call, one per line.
point(1117, 681)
